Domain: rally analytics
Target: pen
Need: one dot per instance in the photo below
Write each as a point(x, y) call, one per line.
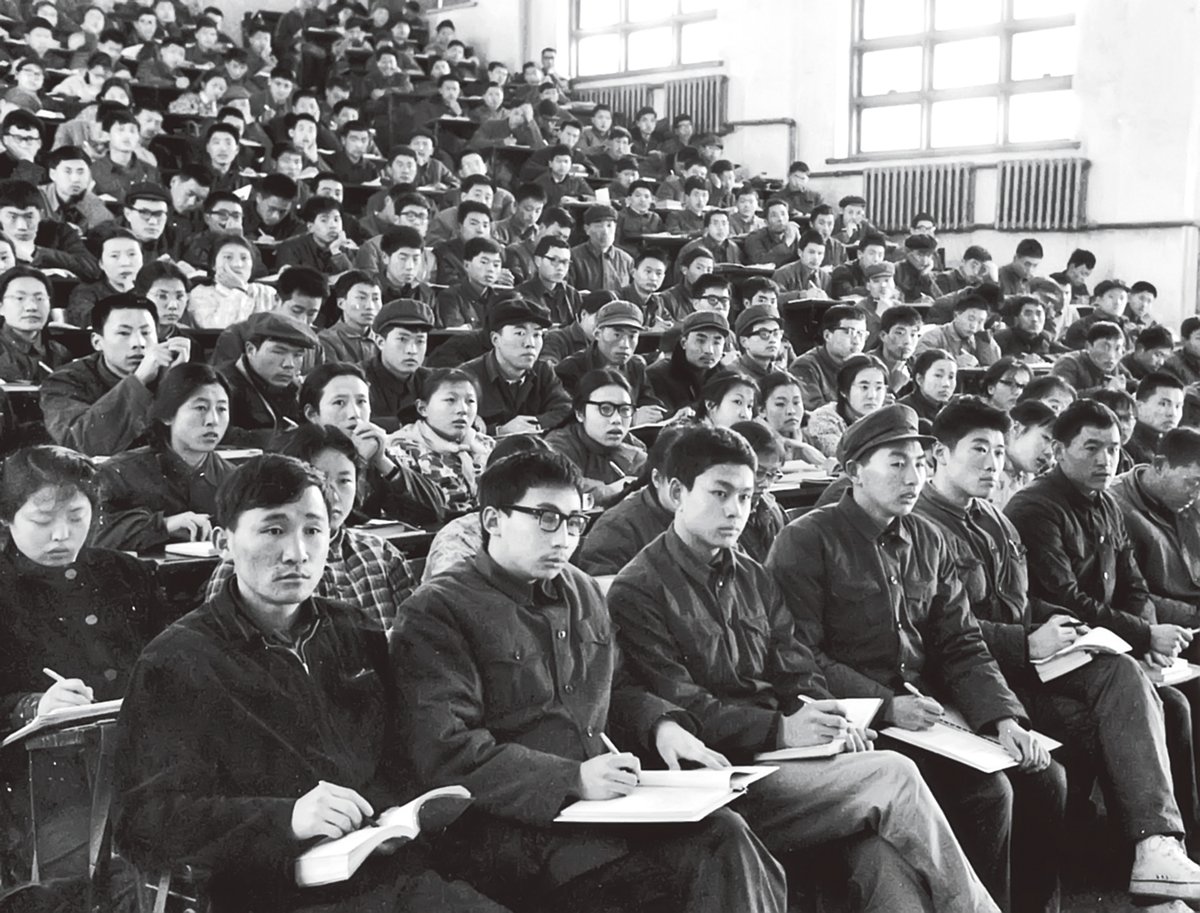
point(912, 689)
point(608, 743)
point(54, 675)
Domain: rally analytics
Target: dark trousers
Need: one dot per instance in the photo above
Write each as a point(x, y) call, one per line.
point(1109, 712)
point(1179, 718)
point(713, 866)
point(1010, 825)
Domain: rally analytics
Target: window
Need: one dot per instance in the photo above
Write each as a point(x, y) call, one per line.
point(933, 75)
point(614, 37)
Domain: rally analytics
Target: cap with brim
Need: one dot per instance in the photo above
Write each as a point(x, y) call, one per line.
point(599, 213)
point(753, 316)
point(234, 92)
point(920, 242)
point(404, 312)
point(703, 320)
point(889, 425)
point(627, 163)
point(875, 270)
point(620, 314)
point(281, 328)
point(147, 191)
point(710, 139)
point(516, 310)
point(1108, 285)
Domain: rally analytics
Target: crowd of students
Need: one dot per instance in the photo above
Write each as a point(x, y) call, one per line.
point(1015, 458)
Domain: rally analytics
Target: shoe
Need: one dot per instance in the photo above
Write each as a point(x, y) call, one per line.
point(1162, 869)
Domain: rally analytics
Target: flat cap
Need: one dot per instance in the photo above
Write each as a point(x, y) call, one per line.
point(1108, 285)
point(703, 320)
point(620, 314)
point(752, 316)
point(516, 310)
point(888, 425)
point(404, 312)
point(920, 242)
point(875, 270)
point(599, 213)
point(281, 328)
point(147, 191)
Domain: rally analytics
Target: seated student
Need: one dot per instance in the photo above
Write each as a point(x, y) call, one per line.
point(253, 747)
point(861, 389)
point(598, 263)
point(690, 219)
point(519, 126)
point(222, 215)
point(1014, 277)
point(750, 703)
point(649, 272)
point(899, 330)
point(99, 405)
point(695, 359)
point(915, 277)
point(564, 341)
point(547, 287)
point(592, 140)
point(83, 611)
point(844, 330)
point(1051, 390)
point(759, 333)
point(271, 217)
point(637, 218)
point(324, 246)
point(805, 277)
point(68, 196)
point(695, 264)
point(973, 270)
point(1184, 364)
point(1098, 366)
point(598, 442)
point(744, 218)
point(766, 517)
point(442, 443)
point(781, 408)
point(41, 242)
point(477, 188)
point(145, 212)
point(264, 382)
point(404, 254)
point(558, 181)
point(120, 259)
point(230, 297)
point(1158, 503)
point(966, 337)
point(1154, 345)
point(715, 864)
point(518, 257)
point(1108, 305)
point(120, 167)
point(396, 374)
point(1142, 295)
point(777, 242)
point(1079, 266)
point(725, 399)
point(1026, 337)
point(519, 394)
point(350, 162)
point(935, 377)
point(85, 85)
point(1159, 410)
point(27, 354)
point(351, 339)
point(850, 278)
point(617, 148)
point(468, 303)
point(1003, 383)
point(474, 222)
point(851, 225)
point(1111, 690)
point(566, 136)
point(941, 652)
point(22, 140)
point(1029, 449)
point(618, 325)
point(166, 491)
point(300, 292)
point(166, 286)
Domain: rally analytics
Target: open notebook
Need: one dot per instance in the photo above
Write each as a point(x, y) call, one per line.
point(336, 860)
point(952, 738)
point(63, 717)
point(667, 796)
point(859, 712)
point(1097, 640)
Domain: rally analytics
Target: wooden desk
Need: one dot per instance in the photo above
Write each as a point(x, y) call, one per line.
point(414, 543)
point(803, 492)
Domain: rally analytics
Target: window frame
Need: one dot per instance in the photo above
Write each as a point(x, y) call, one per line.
point(1003, 89)
point(623, 27)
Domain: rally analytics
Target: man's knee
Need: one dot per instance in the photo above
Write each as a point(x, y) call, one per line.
point(725, 827)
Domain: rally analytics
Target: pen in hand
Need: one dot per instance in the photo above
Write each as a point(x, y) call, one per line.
point(54, 675)
point(931, 706)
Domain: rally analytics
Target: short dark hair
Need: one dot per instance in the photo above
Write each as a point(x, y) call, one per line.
point(213, 130)
point(351, 278)
point(127, 301)
point(319, 206)
point(901, 315)
point(549, 241)
point(694, 183)
point(1120, 402)
point(24, 271)
point(1155, 381)
point(530, 191)
point(1043, 386)
point(756, 284)
point(965, 414)
point(466, 207)
point(927, 359)
point(776, 201)
point(443, 377)
point(761, 437)
point(477, 246)
point(20, 194)
point(154, 271)
point(1104, 329)
point(270, 480)
point(506, 481)
point(302, 279)
point(476, 180)
point(717, 387)
point(174, 389)
point(773, 382)
point(1081, 257)
point(920, 217)
point(1143, 286)
point(1083, 413)
point(278, 185)
point(66, 154)
point(872, 240)
point(306, 443)
point(195, 171)
point(698, 448)
point(975, 252)
point(812, 236)
point(30, 469)
point(708, 282)
point(996, 371)
point(556, 215)
point(593, 381)
point(1180, 447)
point(1155, 337)
point(1030, 247)
point(318, 379)
point(839, 312)
point(696, 253)
point(1032, 413)
point(401, 236)
point(651, 253)
point(1189, 326)
point(852, 367)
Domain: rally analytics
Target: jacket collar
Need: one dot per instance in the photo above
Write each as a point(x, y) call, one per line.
point(866, 525)
point(539, 592)
point(711, 572)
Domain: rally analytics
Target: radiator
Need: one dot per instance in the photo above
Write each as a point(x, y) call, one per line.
point(1042, 194)
point(895, 195)
point(705, 98)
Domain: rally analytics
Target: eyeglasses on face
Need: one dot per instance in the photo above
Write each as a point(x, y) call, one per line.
point(549, 520)
point(767, 335)
point(625, 410)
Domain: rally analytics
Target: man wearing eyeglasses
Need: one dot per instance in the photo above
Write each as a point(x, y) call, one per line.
point(759, 333)
point(844, 328)
point(508, 675)
point(223, 216)
point(548, 286)
point(147, 209)
point(21, 134)
point(68, 197)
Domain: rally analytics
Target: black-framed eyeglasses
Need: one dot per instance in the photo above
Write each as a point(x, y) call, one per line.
point(625, 410)
point(549, 520)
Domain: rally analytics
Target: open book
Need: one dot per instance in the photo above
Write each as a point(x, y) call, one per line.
point(336, 860)
point(859, 712)
point(63, 717)
point(667, 796)
point(1097, 640)
point(952, 738)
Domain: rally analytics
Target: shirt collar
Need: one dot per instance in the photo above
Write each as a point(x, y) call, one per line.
point(1075, 497)
point(231, 612)
point(866, 525)
point(940, 502)
point(539, 592)
point(710, 572)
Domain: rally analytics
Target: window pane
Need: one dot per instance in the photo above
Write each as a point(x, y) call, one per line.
point(890, 129)
point(966, 63)
point(594, 14)
point(1038, 116)
point(648, 10)
point(1046, 52)
point(696, 6)
point(963, 122)
point(885, 18)
point(700, 42)
point(651, 48)
point(1040, 9)
point(897, 70)
point(599, 54)
point(958, 14)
